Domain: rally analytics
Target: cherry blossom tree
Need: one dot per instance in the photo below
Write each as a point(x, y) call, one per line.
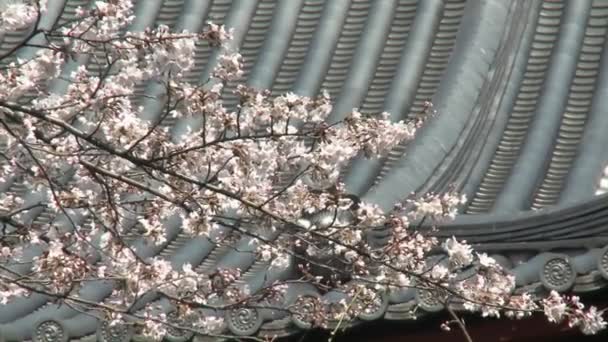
point(116, 179)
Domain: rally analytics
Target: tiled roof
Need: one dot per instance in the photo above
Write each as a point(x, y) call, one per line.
point(520, 88)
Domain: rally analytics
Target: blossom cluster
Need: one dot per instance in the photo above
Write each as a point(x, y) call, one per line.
point(17, 15)
point(559, 308)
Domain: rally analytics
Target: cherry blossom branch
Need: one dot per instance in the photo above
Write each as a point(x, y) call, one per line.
point(129, 181)
point(35, 30)
point(234, 173)
point(460, 323)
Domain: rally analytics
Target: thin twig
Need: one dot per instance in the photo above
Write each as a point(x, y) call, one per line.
point(460, 323)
